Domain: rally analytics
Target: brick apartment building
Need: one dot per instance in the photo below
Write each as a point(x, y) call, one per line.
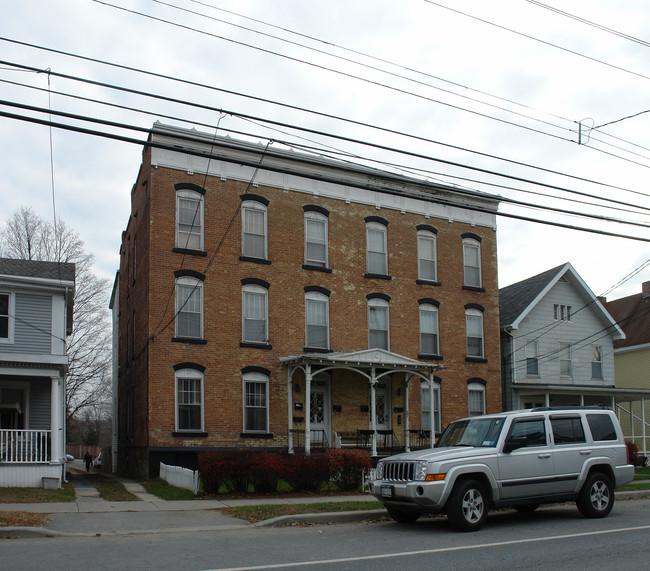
point(275, 299)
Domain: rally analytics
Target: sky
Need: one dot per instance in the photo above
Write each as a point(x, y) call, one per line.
point(544, 103)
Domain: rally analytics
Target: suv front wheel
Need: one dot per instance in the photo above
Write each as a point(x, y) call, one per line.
point(596, 499)
point(467, 507)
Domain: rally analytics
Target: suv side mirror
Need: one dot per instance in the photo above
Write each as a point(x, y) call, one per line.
point(515, 443)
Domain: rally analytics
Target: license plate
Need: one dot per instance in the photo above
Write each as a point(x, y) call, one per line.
point(387, 491)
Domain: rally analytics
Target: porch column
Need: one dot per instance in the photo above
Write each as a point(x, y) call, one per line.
point(432, 435)
point(643, 431)
point(373, 412)
point(290, 408)
point(307, 409)
point(56, 424)
point(407, 440)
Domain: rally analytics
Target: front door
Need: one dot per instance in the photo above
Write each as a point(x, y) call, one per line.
point(319, 417)
point(382, 405)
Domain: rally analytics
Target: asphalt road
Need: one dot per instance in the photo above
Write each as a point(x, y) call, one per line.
point(554, 537)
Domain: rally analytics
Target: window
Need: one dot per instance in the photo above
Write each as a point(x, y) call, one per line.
point(429, 329)
point(472, 260)
point(427, 266)
point(254, 229)
point(256, 398)
point(425, 393)
point(532, 429)
point(561, 312)
point(255, 314)
point(317, 320)
point(189, 400)
point(565, 360)
point(601, 426)
point(475, 398)
point(378, 323)
point(567, 430)
point(596, 362)
point(315, 239)
point(532, 358)
point(6, 319)
point(474, 330)
point(189, 220)
point(189, 308)
point(376, 249)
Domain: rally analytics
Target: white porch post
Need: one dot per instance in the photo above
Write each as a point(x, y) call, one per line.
point(290, 408)
point(307, 409)
point(407, 440)
point(432, 438)
point(643, 431)
point(56, 423)
point(373, 411)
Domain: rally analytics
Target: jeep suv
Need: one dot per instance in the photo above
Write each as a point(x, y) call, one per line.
point(520, 459)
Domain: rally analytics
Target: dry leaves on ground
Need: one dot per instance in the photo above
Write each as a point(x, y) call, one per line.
point(23, 519)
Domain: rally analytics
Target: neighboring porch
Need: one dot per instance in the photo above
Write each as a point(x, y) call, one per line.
point(358, 400)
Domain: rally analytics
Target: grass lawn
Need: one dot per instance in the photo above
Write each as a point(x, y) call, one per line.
point(262, 512)
point(37, 495)
point(111, 489)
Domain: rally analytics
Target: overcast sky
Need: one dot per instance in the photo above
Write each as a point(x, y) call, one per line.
point(472, 85)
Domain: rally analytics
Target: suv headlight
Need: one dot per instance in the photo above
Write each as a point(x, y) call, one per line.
point(379, 471)
point(421, 469)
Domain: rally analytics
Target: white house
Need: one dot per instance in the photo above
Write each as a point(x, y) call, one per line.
point(557, 343)
point(36, 301)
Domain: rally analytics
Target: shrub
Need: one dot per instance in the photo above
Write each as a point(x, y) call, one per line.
point(266, 469)
point(636, 459)
point(306, 473)
point(212, 468)
point(347, 468)
point(227, 467)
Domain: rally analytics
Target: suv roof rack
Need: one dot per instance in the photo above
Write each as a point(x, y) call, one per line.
point(588, 407)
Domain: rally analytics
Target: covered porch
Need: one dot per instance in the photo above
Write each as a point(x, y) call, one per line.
point(359, 399)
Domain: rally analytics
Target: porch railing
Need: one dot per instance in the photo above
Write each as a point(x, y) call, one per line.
point(25, 446)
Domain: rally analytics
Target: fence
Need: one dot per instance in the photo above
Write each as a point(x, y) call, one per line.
point(25, 446)
point(180, 477)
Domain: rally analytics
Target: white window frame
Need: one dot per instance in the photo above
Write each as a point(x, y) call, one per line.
point(597, 362)
point(426, 236)
point(371, 255)
point(532, 356)
point(373, 305)
point(317, 217)
point(429, 308)
point(425, 415)
point(471, 245)
point(313, 297)
point(471, 315)
point(566, 364)
point(196, 229)
point(475, 389)
point(196, 287)
point(258, 290)
point(192, 375)
point(247, 207)
point(255, 378)
point(11, 311)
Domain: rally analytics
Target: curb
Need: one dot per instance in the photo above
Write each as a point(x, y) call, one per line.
point(324, 517)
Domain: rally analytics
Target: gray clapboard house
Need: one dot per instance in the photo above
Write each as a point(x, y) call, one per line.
point(557, 343)
point(36, 301)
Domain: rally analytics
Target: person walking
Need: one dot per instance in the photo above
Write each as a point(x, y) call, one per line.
point(88, 460)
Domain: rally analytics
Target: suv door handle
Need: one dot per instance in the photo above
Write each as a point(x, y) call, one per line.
point(544, 455)
point(585, 452)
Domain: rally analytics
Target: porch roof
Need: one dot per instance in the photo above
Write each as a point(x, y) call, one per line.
point(365, 359)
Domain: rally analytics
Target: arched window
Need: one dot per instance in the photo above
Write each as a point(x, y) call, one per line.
point(429, 329)
point(378, 323)
point(427, 261)
point(472, 260)
point(376, 249)
point(189, 400)
point(425, 400)
point(475, 397)
point(254, 230)
point(316, 320)
point(474, 332)
point(189, 307)
point(255, 327)
point(189, 218)
point(316, 239)
point(256, 402)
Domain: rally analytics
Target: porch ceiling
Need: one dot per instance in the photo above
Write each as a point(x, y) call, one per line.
point(365, 359)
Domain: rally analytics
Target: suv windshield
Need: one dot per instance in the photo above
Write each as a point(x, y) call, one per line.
point(472, 432)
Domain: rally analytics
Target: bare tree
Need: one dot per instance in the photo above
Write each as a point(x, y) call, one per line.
point(27, 236)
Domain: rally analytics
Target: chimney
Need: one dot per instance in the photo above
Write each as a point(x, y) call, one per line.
point(645, 291)
point(602, 299)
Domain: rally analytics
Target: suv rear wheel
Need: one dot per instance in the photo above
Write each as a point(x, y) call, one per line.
point(596, 499)
point(467, 507)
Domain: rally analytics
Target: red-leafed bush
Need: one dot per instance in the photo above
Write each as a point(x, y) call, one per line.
point(228, 467)
point(347, 467)
point(636, 459)
point(266, 469)
point(306, 473)
point(213, 471)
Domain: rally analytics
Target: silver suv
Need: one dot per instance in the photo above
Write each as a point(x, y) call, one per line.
point(521, 459)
